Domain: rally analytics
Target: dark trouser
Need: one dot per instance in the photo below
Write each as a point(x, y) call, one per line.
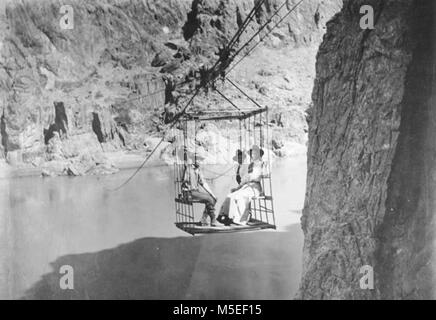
point(208, 201)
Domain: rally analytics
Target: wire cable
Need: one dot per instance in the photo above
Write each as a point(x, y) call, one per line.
point(247, 20)
point(218, 175)
point(197, 91)
point(263, 38)
point(174, 122)
point(260, 29)
point(246, 95)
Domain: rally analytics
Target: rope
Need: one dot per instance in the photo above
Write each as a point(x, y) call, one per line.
point(148, 94)
point(218, 175)
point(175, 121)
point(140, 97)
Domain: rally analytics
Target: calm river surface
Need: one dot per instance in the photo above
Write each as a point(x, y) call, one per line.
point(124, 245)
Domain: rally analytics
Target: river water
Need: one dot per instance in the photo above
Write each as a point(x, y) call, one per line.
point(124, 245)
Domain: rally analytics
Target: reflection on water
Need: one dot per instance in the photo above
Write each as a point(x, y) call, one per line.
point(53, 221)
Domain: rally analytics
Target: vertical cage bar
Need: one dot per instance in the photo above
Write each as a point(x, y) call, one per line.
point(269, 168)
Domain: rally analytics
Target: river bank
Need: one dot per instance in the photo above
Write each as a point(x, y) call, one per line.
point(118, 160)
point(113, 162)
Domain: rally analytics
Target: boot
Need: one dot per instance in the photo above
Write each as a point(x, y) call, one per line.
point(225, 220)
point(203, 221)
point(214, 222)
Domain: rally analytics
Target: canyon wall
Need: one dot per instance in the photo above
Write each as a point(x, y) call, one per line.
point(66, 93)
point(371, 160)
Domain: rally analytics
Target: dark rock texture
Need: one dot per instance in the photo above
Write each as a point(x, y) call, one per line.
point(105, 59)
point(370, 196)
point(118, 49)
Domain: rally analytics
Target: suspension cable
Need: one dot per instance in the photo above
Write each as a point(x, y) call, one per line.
point(225, 58)
point(218, 175)
point(246, 95)
point(174, 122)
point(261, 28)
point(229, 101)
point(263, 38)
point(234, 39)
point(247, 20)
point(148, 94)
point(197, 91)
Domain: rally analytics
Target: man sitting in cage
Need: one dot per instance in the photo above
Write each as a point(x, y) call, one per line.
point(237, 204)
point(198, 189)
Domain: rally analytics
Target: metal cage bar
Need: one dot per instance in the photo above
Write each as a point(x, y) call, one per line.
point(269, 168)
point(261, 208)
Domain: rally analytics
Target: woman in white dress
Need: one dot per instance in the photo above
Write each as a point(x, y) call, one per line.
point(238, 201)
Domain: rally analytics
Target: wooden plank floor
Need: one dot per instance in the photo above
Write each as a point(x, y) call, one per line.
point(196, 228)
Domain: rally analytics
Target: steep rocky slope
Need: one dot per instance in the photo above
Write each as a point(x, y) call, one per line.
point(370, 196)
point(76, 94)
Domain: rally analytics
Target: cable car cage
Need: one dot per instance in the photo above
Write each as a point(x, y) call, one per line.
point(253, 128)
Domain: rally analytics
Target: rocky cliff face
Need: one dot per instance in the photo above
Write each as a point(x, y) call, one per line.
point(370, 196)
point(65, 94)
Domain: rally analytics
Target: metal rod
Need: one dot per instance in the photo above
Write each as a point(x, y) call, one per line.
point(240, 135)
point(220, 115)
point(228, 100)
point(246, 95)
point(269, 167)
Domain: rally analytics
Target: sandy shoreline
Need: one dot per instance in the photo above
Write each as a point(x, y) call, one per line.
point(120, 161)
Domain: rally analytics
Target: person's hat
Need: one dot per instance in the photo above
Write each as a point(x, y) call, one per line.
point(239, 154)
point(256, 148)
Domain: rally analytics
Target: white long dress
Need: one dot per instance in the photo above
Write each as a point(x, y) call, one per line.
point(239, 200)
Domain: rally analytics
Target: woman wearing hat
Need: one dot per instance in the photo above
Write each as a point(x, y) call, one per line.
point(249, 187)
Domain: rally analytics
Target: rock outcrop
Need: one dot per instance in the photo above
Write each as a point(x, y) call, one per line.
point(117, 51)
point(370, 197)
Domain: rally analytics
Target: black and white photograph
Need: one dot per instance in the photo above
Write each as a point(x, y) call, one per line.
point(235, 151)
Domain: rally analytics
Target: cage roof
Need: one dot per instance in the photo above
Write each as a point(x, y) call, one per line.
point(222, 114)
